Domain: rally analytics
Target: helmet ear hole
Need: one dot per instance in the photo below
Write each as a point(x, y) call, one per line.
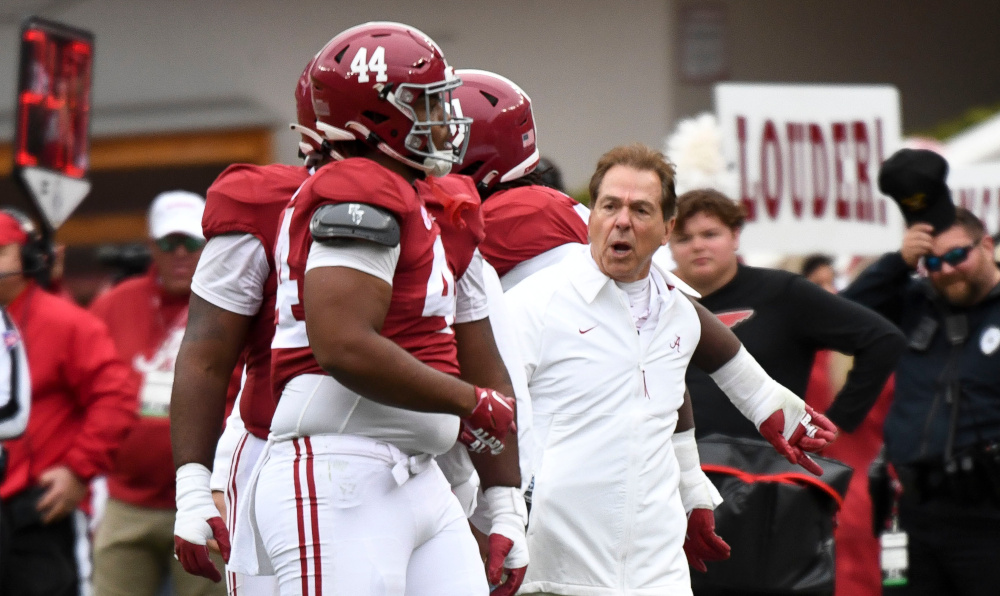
point(375, 117)
point(493, 99)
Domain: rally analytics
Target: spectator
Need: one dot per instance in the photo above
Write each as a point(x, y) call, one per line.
point(783, 321)
point(857, 562)
point(819, 269)
point(82, 405)
point(942, 432)
point(146, 315)
point(550, 174)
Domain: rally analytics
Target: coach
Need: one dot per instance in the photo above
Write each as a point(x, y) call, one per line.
point(606, 339)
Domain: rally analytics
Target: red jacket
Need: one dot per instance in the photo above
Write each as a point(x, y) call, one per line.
point(142, 319)
point(82, 396)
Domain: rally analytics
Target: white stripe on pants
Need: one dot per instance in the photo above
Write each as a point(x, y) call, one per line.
point(245, 455)
point(349, 515)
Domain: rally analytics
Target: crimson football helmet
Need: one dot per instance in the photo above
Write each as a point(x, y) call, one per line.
point(388, 84)
point(311, 142)
point(502, 144)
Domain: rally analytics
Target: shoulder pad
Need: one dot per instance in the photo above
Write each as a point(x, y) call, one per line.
point(344, 221)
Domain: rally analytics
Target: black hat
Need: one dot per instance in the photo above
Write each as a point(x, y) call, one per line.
point(915, 178)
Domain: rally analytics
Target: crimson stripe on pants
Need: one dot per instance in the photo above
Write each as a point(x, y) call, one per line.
point(234, 466)
point(300, 515)
point(313, 509)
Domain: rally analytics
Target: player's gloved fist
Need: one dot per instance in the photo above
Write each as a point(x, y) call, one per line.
point(503, 515)
point(488, 424)
point(197, 523)
point(701, 542)
point(797, 428)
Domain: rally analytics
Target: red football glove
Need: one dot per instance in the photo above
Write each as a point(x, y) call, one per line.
point(488, 424)
point(702, 543)
point(813, 432)
point(197, 522)
point(500, 547)
point(503, 515)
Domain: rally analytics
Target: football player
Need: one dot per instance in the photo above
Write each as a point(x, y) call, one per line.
point(230, 320)
point(502, 515)
point(365, 304)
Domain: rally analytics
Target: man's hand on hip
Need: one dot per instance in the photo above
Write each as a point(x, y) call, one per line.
point(63, 493)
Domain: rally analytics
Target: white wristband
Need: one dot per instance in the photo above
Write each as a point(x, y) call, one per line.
point(194, 503)
point(697, 491)
point(509, 517)
point(755, 394)
point(192, 478)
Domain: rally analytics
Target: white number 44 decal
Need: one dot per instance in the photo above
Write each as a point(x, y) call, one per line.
point(362, 65)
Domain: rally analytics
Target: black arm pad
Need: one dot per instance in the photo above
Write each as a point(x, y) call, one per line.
point(345, 221)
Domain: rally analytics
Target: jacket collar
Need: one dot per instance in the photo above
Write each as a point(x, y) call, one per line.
point(589, 280)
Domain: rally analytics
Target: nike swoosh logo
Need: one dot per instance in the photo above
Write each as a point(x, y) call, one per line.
point(735, 317)
point(582, 331)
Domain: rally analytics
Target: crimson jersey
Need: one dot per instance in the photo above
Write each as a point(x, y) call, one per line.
point(453, 202)
point(422, 307)
point(249, 199)
point(524, 222)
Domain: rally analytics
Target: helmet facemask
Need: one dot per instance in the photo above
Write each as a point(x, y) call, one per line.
point(434, 101)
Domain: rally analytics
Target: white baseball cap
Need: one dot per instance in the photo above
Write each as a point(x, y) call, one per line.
point(176, 212)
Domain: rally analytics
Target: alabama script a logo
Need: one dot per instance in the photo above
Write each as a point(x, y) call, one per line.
point(734, 317)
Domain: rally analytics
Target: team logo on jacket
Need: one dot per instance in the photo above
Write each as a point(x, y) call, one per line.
point(990, 340)
point(676, 344)
point(427, 218)
point(734, 317)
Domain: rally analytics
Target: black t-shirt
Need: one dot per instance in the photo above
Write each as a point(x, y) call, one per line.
point(783, 320)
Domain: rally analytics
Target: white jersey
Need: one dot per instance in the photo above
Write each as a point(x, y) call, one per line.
point(605, 402)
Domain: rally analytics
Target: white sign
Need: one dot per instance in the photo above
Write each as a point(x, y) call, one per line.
point(977, 188)
point(55, 194)
point(807, 158)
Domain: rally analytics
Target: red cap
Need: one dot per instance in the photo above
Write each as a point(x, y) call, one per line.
point(10, 230)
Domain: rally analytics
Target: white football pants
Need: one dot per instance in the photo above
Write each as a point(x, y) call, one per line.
point(245, 455)
point(340, 514)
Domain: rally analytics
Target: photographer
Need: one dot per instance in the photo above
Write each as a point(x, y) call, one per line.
point(943, 429)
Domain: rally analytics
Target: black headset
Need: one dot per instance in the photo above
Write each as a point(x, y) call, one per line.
point(35, 253)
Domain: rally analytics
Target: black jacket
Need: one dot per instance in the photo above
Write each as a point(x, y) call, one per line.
point(916, 427)
point(783, 320)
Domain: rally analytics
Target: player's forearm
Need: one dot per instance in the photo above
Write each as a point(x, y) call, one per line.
point(499, 470)
point(381, 371)
point(208, 355)
point(717, 346)
point(481, 364)
point(685, 415)
point(198, 405)
point(479, 358)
